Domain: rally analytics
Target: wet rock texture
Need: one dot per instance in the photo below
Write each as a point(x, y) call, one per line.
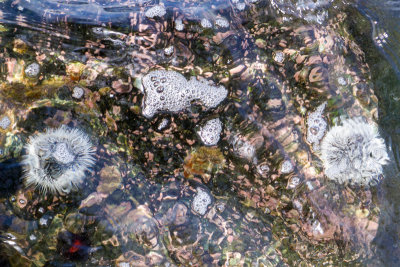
point(207, 131)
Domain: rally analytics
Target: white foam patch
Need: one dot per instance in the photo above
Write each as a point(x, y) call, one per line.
point(156, 11)
point(169, 50)
point(179, 26)
point(170, 91)
point(77, 92)
point(210, 132)
point(316, 126)
point(201, 201)
point(5, 122)
point(205, 23)
point(287, 167)
point(222, 22)
point(32, 70)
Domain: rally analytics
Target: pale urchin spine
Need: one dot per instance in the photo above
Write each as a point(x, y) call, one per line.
point(56, 161)
point(354, 153)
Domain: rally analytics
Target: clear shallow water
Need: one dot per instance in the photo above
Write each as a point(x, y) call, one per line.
point(278, 61)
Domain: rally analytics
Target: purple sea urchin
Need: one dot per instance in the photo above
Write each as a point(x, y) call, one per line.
point(353, 152)
point(56, 160)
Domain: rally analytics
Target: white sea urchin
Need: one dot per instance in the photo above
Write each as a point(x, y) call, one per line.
point(354, 153)
point(56, 160)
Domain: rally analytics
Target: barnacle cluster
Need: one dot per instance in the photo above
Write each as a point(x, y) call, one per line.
point(354, 153)
point(56, 160)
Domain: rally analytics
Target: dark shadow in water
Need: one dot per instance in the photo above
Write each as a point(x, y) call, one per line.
point(384, 16)
point(387, 88)
point(10, 176)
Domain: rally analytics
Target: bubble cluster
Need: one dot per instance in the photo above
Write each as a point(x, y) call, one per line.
point(163, 124)
point(210, 132)
point(354, 153)
point(170, 91)
point(201, 201)
point(32, 70)
point(179, 26)
point(56, 161)
point(5, 122)
point(279, 57)
point(342, 81)
point(287, 167)
point(78, 92)
point(156, 11)
point(241, 6)
point(205, 23)
point(169, 50)
point(316, 126)
point(222, 22)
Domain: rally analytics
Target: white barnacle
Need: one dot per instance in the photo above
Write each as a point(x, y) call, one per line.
point(56, 161)
point(354, 153)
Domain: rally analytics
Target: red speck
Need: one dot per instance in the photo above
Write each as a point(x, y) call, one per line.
point(75, 246)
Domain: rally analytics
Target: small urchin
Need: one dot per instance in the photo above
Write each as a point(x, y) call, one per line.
point(354, 153)
point(57, 159)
